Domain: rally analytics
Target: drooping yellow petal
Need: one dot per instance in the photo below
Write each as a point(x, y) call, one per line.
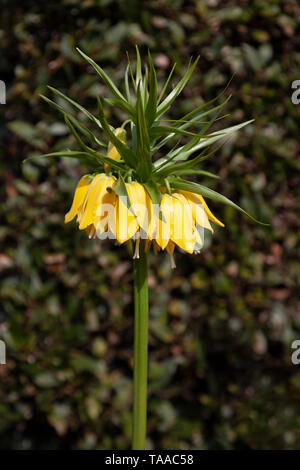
point(187, 204)
point(106, 218)
point(182, 227)
point(152, 219)
point(127, 224)
point(198, 211)
point(198, 230)
point(199, 239)
point(79, 196)
point(97, 187)
point(138, 202)
point(210, 214)
point(81, 212)
point(198, 199)
point(163, 228)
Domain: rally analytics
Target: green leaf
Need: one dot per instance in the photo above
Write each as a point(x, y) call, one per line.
point(166, 84)
point(195, 111)
point(145, 86)
point(123, 105)
point(193, 171)
point(138, 72)
point(201, 134)
point(158, 131)
point(83, 157)
point(75, 104)
point(127, 89)
point(131, 73)
point(122, 102)
point(182, 153)
point(189, 165)
point(119, 187)
point(104, 77)
point(162, 108)
point(197, 137)
point(125, 152)
point(203, 191)
point(86, 132)
point(144, 166)
point(152, 99)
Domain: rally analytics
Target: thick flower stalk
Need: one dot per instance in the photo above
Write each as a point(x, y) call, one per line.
point(136, 191)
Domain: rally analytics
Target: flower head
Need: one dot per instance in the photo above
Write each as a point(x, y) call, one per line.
point(138, 190)
point(103, 213)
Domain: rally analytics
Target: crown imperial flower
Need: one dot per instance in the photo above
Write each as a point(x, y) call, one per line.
point(130, 194)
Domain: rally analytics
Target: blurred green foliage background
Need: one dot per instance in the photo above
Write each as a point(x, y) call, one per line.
point(223, 322)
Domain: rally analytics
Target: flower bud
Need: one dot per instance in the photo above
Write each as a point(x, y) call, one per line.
point(112, 152)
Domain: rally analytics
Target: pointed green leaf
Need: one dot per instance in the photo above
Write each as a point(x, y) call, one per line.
point(166, 84)
point(152, 99)
point(103, 75)
point(138, 72)
point(195, 111)
point(206, 192)
point(83, 157)
point(189, 165)
point(193, 171)
point(75, 104)
point(162, 108)
point(144, 165)
point(127, 89)
point(182, 153)
point(197, 137)
point(123, 105)
point(145, 86)
point(131, 73)
point(158, 131)
point(86, 132)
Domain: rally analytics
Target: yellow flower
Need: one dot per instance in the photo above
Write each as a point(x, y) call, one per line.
point(131, 195)
point(102, 212)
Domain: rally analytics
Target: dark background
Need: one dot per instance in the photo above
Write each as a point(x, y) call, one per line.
point(222, 323)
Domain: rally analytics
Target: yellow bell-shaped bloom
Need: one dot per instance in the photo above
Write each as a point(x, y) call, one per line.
point(103, 212)
point(79, 197)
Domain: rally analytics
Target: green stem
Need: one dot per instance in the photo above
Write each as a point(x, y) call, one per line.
point(140, 349)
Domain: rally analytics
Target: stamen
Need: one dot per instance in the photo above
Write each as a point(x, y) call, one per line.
point(172, 261)
point(136, 254)
point(92, 233)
